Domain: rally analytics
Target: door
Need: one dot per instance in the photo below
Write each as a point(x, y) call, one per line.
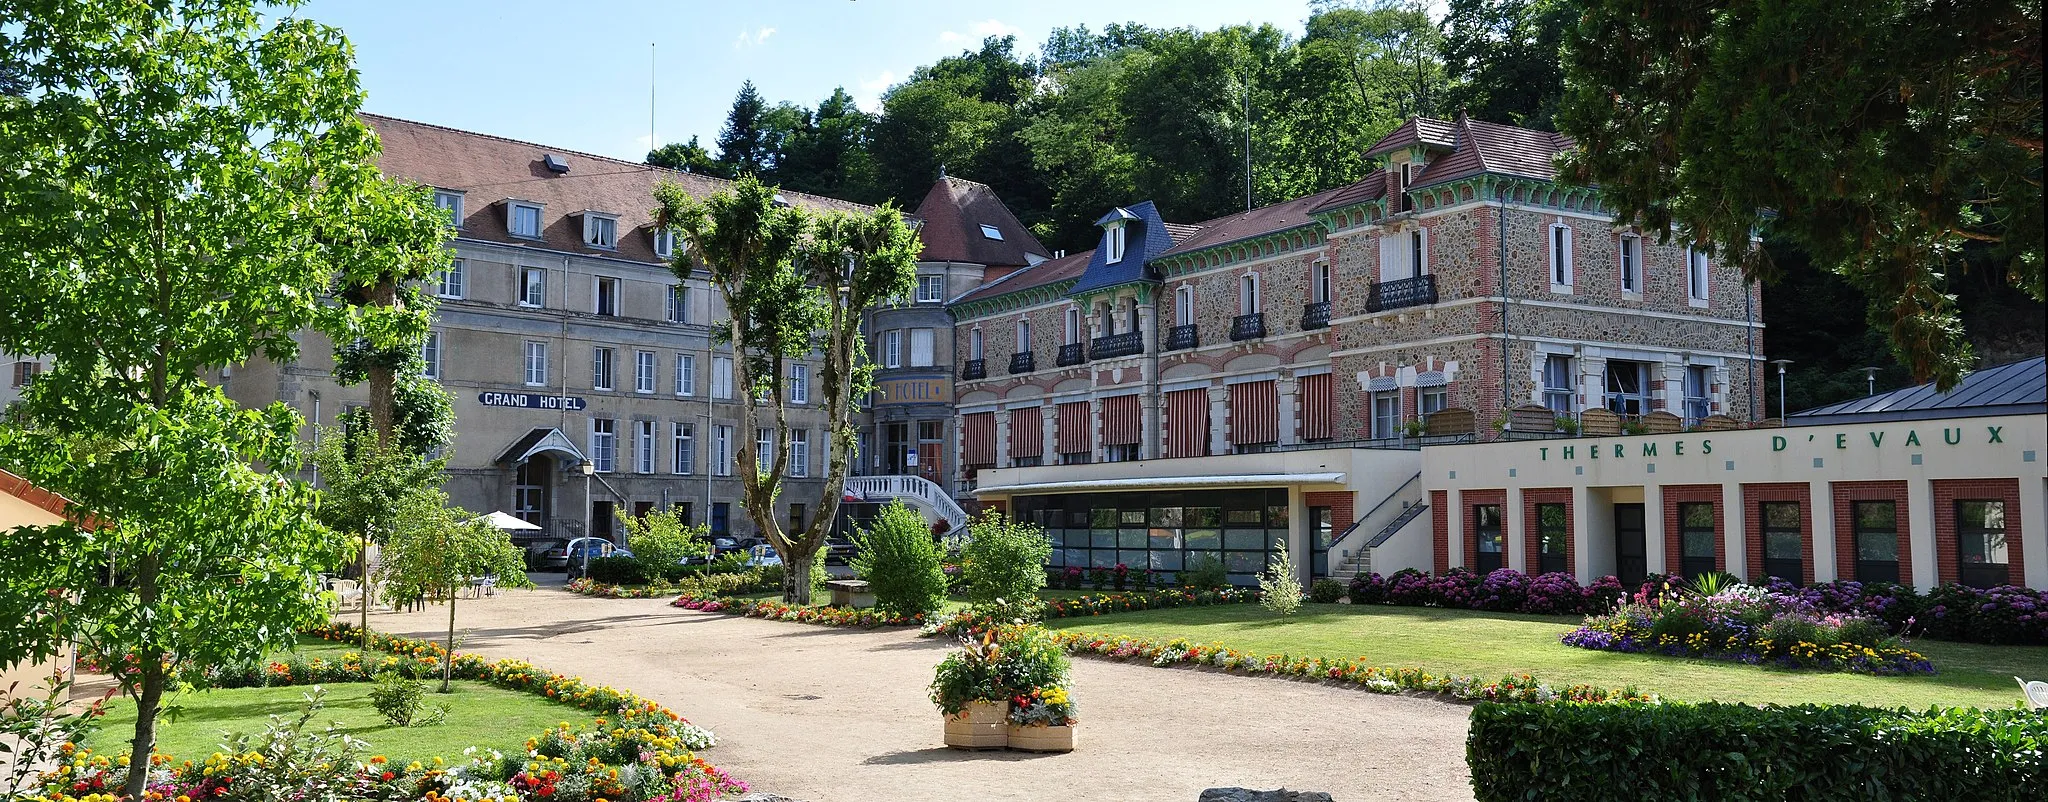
point(1490, 544)
point(896, 447)
point(530, 491)
point(601, 519)
point(721, 518)
point(1877, 540)
point(1319, 533)
point(1631, 562)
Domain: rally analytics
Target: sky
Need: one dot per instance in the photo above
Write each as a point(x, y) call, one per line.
point(577, 75)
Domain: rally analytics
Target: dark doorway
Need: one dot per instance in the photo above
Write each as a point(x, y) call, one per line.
point(721, 518)
point(601, 519)
point(530, 490)
point(642, 508)
point(1319, 542)
point(896, 446)
point(1552, 530)
point(1876, 527)
point(1631, 562)
point(1486, 531)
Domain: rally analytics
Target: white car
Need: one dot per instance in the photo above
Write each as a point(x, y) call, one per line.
point(761, 555)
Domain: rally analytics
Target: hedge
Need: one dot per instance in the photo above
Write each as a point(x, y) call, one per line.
point(1715, 751)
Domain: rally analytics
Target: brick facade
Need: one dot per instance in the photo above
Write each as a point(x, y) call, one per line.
point(1949, 491)
point(1845, 493)
point(1753, 498)
point(1532, 527)
point(1470, 537)
point(1439, 528)
point(1674, 551)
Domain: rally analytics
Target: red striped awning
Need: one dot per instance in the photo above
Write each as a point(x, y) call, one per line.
point(1318, 404)
point(1075, 422)
point(1187, 423)
point(978, 433)
point(1122, 423)
point(1254, 413)
point(1027, 434)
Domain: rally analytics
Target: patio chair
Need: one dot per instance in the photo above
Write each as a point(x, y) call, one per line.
point(2036, 693)
point(485, 585)
point(347, 592)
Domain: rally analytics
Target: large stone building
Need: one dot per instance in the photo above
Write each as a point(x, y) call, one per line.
point(1462, 292)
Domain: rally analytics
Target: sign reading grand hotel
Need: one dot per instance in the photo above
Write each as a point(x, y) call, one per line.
point(531, 401)
point(914, 390)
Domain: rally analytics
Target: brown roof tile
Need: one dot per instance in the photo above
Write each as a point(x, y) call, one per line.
point(40, 498)
point(1424, 130)
point(1485, 147)
point(1038, 275)
point(953, 213)
point(1263, 220)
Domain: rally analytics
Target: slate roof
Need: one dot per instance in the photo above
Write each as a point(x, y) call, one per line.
point(1148, 239)
point(1263, 220)
point(2016, 388)
point(1484, 147)
point(1037, 275)
point(490, 169)
point(953, 213)
point(1428, 131)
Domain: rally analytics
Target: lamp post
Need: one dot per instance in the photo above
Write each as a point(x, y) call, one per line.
point(589, 502)
point(1781, 363)
point(1870, 380)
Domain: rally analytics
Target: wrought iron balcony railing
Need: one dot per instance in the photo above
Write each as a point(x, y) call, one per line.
point(1071, 354)
point(1021, 362)
point(1181, 337)
point(1315, 316)
point(1125, 344)
point(974, 369)
point(1401, 293)
point(1248, 327)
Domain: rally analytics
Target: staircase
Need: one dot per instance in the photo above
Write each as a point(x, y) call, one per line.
point(916, 490)
point(1351, 555)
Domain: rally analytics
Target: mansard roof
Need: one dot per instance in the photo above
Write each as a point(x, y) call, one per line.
point(1426, 131)
point(1484, 147)
point(954, 212)
point(1263, 220)
point(1148, 239)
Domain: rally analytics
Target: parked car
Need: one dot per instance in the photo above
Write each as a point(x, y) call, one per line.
point(572, 555)
point(762, 555)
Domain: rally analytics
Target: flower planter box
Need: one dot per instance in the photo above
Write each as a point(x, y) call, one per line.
point(1041, 738)
point(983, 725)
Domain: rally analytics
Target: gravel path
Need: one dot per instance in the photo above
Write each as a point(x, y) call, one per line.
point(833, 715)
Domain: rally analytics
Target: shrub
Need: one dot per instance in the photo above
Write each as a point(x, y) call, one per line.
point(1605, 593)
point(403, 701)
point(1592, 753)
point(1279, 590)
point(970, 675)
point(661, 541)
point(1206, 572)
point(1368, 589)
point(1409, 587)
point(1555, 593)
point(1503, 590)
point(619, 570)
point(1325, 591)
point(900, 561)
point(1004, 559)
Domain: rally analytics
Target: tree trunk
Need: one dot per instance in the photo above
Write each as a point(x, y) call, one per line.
point(448, 658)
point(796, 579)
point(365, 633)
point(382, 378)
point(148, 702)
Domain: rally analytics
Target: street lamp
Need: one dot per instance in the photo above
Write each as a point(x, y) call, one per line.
point(589, 471)
point(1870, 380)
point(1781, 363)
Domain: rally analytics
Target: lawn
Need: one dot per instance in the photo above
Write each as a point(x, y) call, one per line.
point(479, 715)
point(1490, 645)
point(953, 603)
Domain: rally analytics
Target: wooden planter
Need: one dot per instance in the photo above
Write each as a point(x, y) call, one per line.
point(1041, 738)
point(983, 725)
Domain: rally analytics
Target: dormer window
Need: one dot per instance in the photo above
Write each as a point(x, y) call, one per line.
point(991, 232)
point(664, 243)
point(1407, 177)
point(522, 219)
point(1114, 243)
point(601, 230)
point(450, 201)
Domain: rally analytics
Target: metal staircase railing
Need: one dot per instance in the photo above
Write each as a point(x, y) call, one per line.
point(913, 488)
point(1379, 523)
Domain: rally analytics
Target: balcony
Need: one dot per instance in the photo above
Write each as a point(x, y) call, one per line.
point(1180, 337)
point(1248, 327)
point(1071, 354)
point(1401, 293)
point(1021, 363)
point(974, 369)
point(1125, 344)
point(1315, 316)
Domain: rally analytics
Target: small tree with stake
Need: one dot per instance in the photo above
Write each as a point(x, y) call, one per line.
point(435, 550)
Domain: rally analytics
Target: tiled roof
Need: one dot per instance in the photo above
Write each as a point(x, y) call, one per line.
point(955, 210)
point(1263, 220)
point(38, 497)
point(1181, 231)
point(1424, 130)
point(2015, 388)
point(488, 170)
point(1368, 188)
point(1151, 239)
point(1484, 147)
point(1037, 275)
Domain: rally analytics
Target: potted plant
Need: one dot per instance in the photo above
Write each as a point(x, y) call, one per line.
point(1042, 720)
point(969, 690)
point(1035, 669)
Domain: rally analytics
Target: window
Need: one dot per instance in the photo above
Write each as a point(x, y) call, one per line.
point(533, 287)
point(1184, 304)
point(684, 436)
point(721, 450)
point(1560, 257)
point(764, 449)
point(1113, 243)
point(1695, 539)
point(606, 297)
point(1418, 253)
point(664, 243)
point(643, 371)
point(991, 232)
point(921, 344)
point(600, 231)
point(25, 372)
point(1628, 386)
point(974, 349)
point(796, 518)
point(1024, 335)
point(1319, 283)
point(1386, 413)
point(721, 377)
point(799, 384)
point(1981, 547)
point(1696, 276)
point(686, 374)
point(1631, 249)
point(1553, 531)
point(1073, 328)
point(931, 289)
point(451, 202)
point(1248, 294)
point(1876, 531)
point(523, 220)
point(536, 363)
point(643, 446)
point(430, 353)
point(1782, 540)
point(449, 281)
point(678, 303)
point(1696, 401)
point(1120, 452)
point(1407, 177)
point(1491, 546)
point(1557, 383)
point(1432, 399)
point(721, 517)
point(604, 444)
point(601, 362)
point(800, 452)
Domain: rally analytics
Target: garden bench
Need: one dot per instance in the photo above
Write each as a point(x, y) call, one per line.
point(850, 593)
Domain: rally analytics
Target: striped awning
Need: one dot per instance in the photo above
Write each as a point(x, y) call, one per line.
point(1318, 404)
point(1254, 413)
point(1027, 434)
point(1074, 434)
point(1187, 423)
point(1122, 423)
point(978, 439)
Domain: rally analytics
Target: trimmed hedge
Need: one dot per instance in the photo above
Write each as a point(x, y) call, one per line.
point(1714, 751)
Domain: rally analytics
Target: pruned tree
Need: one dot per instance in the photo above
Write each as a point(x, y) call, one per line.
point(435, 550)
point(795, 284)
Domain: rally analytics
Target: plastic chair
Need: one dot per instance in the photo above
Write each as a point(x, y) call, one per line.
point(2036, 693)
point(347, 591)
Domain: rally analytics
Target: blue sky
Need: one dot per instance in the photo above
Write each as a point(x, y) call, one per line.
point(576, 75)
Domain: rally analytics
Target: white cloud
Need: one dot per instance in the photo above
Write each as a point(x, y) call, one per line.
point(755, 39)
point(979, 31)
point(870, 95)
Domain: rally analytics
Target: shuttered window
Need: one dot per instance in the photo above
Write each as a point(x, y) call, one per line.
point(1187, 423)
point(1254, 413)
point(1121, 423)
point(1074, 437)
point(1027, 434)
point(1318, 403)
point(979, 430)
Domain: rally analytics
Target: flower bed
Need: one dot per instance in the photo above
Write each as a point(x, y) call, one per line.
point(1748, 624)
point(775, 609)
point(748, 581)
point(1504, 590)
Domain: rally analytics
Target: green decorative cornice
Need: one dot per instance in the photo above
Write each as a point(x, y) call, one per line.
point(1145, 288)
point(1258, 246)
point(1012, 301)
point(1353, 215)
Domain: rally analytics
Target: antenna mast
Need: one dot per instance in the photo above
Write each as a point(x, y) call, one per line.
point(652, 143)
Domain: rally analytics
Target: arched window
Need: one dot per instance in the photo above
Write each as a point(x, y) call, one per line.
point(1073, 325)
point(1184, 305)
point(1023, 335)
point(974, 344)
point(1248, 294)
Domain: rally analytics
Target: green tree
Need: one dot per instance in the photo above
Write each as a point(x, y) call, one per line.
point(1505, 55)
point(900, 559)
point(364, 485)
point(1882, 139)
point(660, 540)
point(436, 550)
point(829, 155)
point(688, 157)
point(184, 175)
point(743, 143)
point(795, 283)
point(1004, 559)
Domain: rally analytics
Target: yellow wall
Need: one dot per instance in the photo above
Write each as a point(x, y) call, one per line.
point(16, 512)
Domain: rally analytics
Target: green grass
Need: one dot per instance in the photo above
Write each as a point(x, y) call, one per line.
point(953, 603)
point(1490, 645)
point(478, 715)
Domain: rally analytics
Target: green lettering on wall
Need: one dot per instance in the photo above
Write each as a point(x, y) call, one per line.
point(1841, 441)
point(1777, 443)
point(1568, 451)
point(1593, 451)
point(1617, 451)
point(1912, 437)
point(1678, 449)
point(1952, 436)
point(1994, 434)
point(1877, 439)
point(1545, 454)
point(1649, 449)
point(1706, 446)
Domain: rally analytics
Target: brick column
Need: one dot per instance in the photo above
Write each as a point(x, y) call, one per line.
point(1002, 439)
point(1219, 419)
point(1048, 439)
